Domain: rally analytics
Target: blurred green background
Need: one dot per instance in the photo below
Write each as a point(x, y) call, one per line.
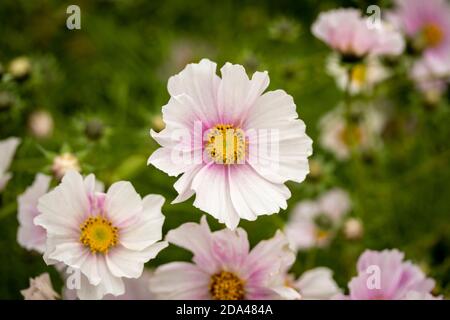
point(106, 83)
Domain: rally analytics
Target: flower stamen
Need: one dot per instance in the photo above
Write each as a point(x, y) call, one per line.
point(226, 144)
point(226, 286)
point(99, 234)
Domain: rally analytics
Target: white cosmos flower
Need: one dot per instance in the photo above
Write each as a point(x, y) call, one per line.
point(233, 145)
point(314, 222)
point(7, 149)
point(363, 76)
point(362, 133)
point(107, 236)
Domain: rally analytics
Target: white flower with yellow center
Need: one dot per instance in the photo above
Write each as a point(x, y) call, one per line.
point(106, 236)
point(233, 145)
point(357, 78)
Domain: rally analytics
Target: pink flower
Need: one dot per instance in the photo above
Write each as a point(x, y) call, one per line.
point(233, 145)
point(104, 236)
point(346, 31)
point(383, 275)
point(29, 235)
point(427, 24)
point(224, 268)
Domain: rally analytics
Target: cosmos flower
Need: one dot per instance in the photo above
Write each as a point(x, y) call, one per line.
point(234, 145)
point(348, 32)
point(360, 78)
point(430, 78)
point(7, 149)
point(224, 268)
point(316, 284)
point(106, 236)
point(384, 275)
point(313, 222)
point(135, 289)
point(427, 25)
point(29, 235)
point(40, 289)
point(361, 133)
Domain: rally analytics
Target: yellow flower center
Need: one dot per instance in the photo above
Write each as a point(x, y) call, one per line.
point(359, 73)
point(226, 144)
point(226, 286)
point(321, 235)
point(98, 234)
point(351, 135)
point(433, 34)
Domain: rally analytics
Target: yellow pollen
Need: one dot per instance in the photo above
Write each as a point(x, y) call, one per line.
point(351, 135)
point(359, 73)
point(226, 286)
point(433, 35)
point(321, 235)
point(226, 144)
point(98, 234)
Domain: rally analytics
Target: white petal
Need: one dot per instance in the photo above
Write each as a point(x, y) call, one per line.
point(122, 203)
point(317, 283)
point(7, 149)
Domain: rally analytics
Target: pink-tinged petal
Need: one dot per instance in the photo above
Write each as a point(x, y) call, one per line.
point(148, 229)
point(90, 268)
point(180, 281)
point(199, 82)
point(335, 203)
point(230, 248)
point(285, 293)
point(64, 209)
point(317, 284)
point(212, 190)
point(122, 203)
point(252, 195)
point(301, 234)
point(184, 184)
point(196, 238)
point(268, 262)
point(171, 161)
point(29, 235)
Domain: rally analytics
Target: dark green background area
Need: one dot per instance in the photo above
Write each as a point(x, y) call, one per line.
point(115, 70)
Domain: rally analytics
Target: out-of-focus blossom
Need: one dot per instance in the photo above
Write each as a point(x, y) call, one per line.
point(40, 289)
point(353, 229)
point(348, 32)
point(63, 163)
point(106, 236)
point(357, 78)
point(215, 131)
point(430, 79)
point(384, 275)
point(316, 284)
point(7, 150)
point(135, 289)
point(20, 68)
point(224, 267)
point(29, 235)
point(361, 133)
point(427, 24)
point(6, 100)
point(313, 223)
point(40, 124)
